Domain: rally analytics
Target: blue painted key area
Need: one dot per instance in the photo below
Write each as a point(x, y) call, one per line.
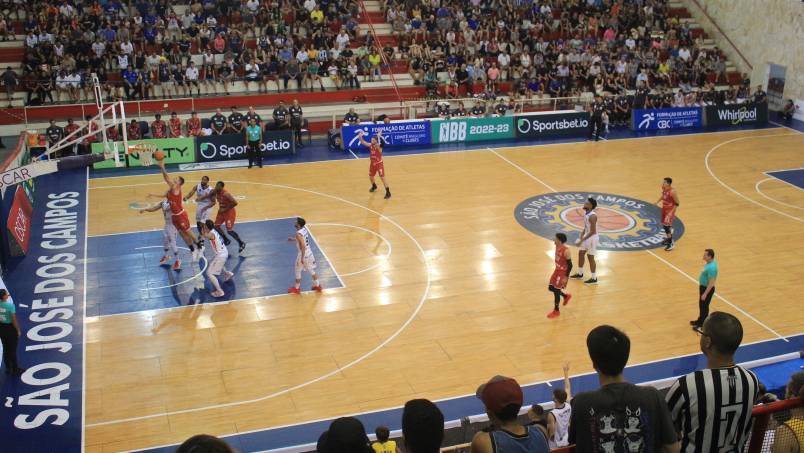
point(793, 177)
point(125, 276)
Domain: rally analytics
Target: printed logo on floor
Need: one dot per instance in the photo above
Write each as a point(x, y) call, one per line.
point(624, 223)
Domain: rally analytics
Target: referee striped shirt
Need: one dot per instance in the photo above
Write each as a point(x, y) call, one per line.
point(712, 409)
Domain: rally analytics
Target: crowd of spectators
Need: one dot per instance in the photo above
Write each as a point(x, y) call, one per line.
point(204, 48)
point(556, 47)
point(618, 416)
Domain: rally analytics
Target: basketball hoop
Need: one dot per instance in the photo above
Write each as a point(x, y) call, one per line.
point(144, 152)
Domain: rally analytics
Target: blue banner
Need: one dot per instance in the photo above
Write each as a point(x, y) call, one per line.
point(43, 408)
point(673, 118)
point(398, 133)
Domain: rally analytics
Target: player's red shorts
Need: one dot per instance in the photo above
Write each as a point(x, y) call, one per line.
point(226, 217)
point(377, 169)
point(667, 217)
point(181, 221)
point(559, 279)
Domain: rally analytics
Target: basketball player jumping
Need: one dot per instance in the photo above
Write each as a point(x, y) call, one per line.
point(169, 234)
point(204, 201)
point(558, 281)
point(226, 214)
point(669, 201)
point(588, 241)
point(305, 260)
point(180, 219)
point(219, 257)
point(376, 166)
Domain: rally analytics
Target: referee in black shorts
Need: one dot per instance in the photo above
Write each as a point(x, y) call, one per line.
point(596, 120)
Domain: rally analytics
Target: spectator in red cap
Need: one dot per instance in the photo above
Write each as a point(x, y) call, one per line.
point(502, 397)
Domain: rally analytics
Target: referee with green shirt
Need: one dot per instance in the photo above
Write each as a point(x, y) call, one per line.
point(9, 333)
point(253, 142)
point(707, 287)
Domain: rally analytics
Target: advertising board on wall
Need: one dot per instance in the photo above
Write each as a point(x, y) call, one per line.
point(397, 133)
point(213, 148)
point(670, 118)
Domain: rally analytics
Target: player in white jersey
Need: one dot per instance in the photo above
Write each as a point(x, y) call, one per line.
point(204, 201)
point(588, 241)
point(220, 254)
point(305, 260)
point(169, 234)
point(558, 419)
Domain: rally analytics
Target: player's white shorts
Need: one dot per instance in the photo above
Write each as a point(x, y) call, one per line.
point(590, 245)
point(309, 264)
point(169, 234)
point(203, 212)
point(216, 264)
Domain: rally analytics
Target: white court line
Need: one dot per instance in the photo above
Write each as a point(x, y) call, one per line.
point(786, 127)
point(726, 186)
point(331, 264)
point(655, 255)
point(84, 322)
point(759, 183)
point(411, 154)
point(160, 229)
point(206, 263)
point(378, 235)
point(337, 370)
point(768, 173)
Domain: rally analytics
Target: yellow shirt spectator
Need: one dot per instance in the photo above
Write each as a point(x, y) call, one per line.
point(312, 54)
point(317, 16)
point(374, 59)
point(384, 447)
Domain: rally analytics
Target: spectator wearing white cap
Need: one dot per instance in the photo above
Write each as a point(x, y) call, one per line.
point(502, 398)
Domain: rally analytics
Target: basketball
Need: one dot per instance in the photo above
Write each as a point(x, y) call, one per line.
point(159, 155)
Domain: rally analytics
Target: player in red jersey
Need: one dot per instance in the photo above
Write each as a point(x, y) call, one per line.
point(669, 202)
point(558, 281)
point(180, 219)
point(194, 125)
point(158, 127)
point(226, 215)
point(134, 131)
point(376, 166)
point(174, 125)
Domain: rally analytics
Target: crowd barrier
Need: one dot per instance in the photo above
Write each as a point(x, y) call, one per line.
point(534, 125)
point(210, 148)
point(699, 117)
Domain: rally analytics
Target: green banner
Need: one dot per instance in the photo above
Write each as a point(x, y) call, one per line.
point(458, 130)
point(177, 151)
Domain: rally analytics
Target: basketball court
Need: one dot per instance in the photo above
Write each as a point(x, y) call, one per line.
point(427, 294)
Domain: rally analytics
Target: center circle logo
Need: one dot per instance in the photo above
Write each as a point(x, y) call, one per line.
point(624, 223)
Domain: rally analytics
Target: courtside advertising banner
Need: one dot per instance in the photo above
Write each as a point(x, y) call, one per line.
point(736, 114)
point(19, 223)
point(661, 119)
point(541, 125)
point(398, 133)
point(459, 130)
point(214, 148)
point(177, 151)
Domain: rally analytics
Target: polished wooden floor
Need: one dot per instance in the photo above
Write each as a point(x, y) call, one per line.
point(157, 377)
